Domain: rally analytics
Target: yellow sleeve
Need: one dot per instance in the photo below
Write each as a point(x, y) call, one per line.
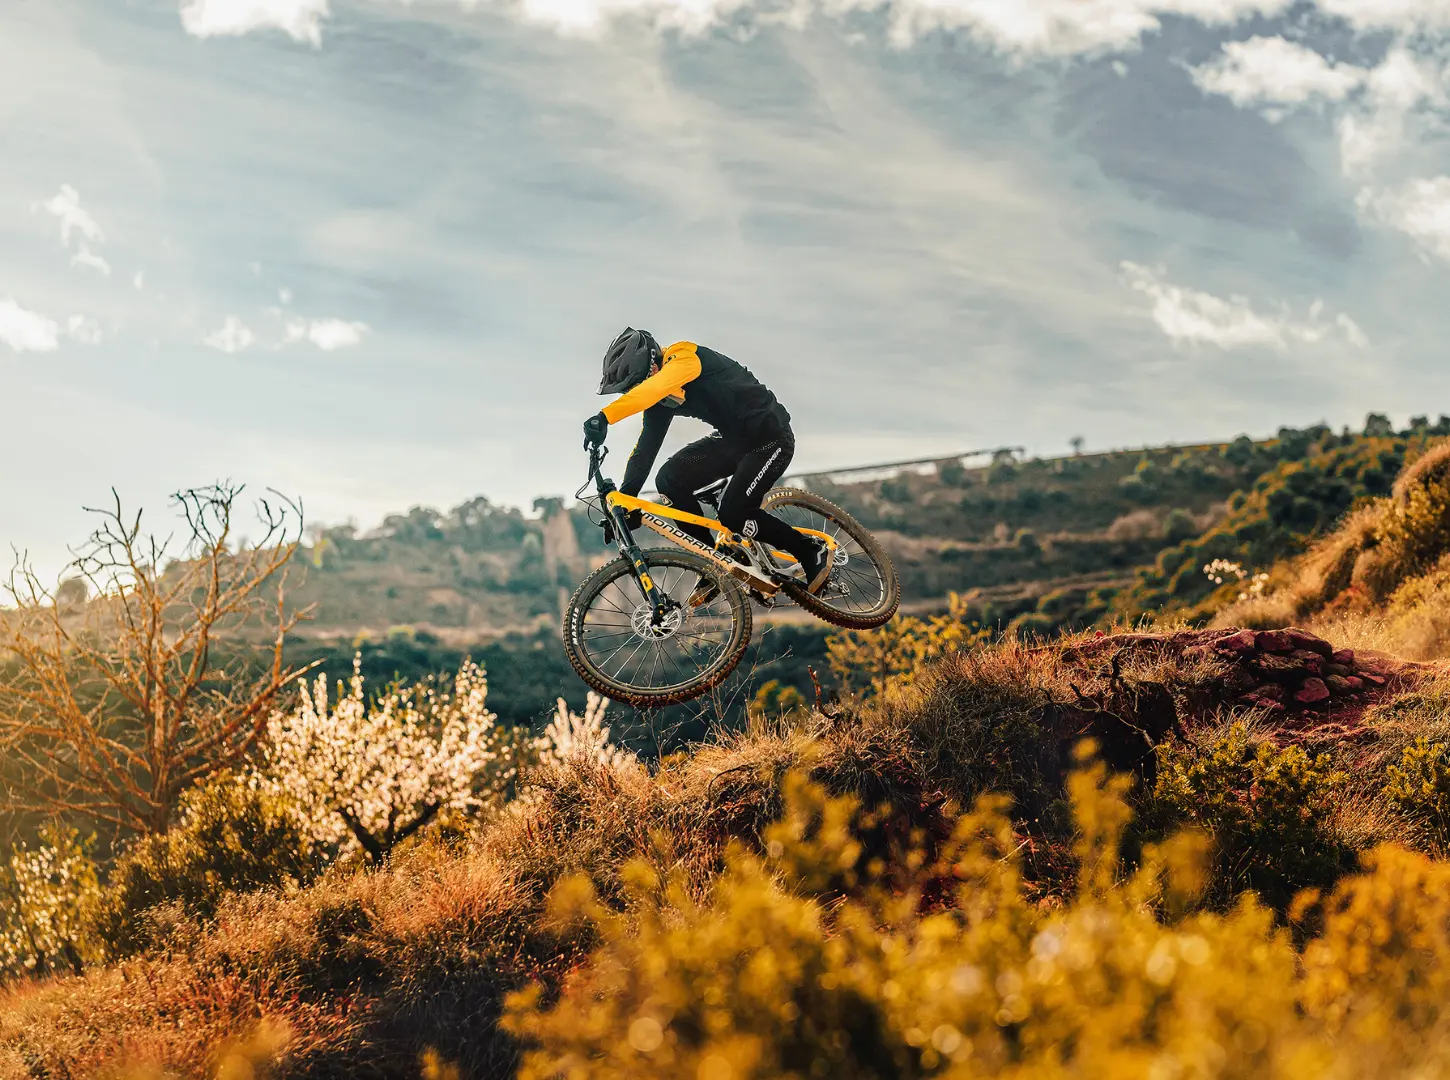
point(682, 364)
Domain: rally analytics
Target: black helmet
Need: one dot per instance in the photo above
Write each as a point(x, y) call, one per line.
point(627, 361)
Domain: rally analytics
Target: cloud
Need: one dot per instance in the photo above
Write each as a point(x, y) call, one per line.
point(326, 334)
point(301, 20)
point(86, 257)
point(1271, 70)
point(66, 205)
point(1394, 90)
point(1404, 15)
point(1191, 317)
point(84, 329)
point(233, 337)
point(1420, 209)
point(27, 331)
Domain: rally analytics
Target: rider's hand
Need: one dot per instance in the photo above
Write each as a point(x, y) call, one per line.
point(634, 519)
point(595, 429)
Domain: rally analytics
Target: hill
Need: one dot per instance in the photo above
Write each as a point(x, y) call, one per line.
point(369, 973)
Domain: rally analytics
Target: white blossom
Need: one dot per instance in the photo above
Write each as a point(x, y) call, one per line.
point(369, 775)
point(1220, 570)
point(571, 737)
point(43, 891)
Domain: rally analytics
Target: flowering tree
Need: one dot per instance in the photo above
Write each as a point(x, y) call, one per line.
point(370, 775)
point(43, 891)
point(572, 737)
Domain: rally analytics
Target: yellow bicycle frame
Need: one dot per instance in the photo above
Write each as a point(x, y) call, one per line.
point(632, 502)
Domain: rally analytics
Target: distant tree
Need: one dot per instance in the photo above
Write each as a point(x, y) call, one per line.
point(114, 714)
point(1377, 425)
point(952, 473)
point(1076, 442)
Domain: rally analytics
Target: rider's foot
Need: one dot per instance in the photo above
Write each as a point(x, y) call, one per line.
point(817, 566)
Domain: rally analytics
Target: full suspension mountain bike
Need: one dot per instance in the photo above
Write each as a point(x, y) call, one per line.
point(658, 626)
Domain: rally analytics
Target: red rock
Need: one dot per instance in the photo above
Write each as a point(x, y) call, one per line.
point(1303, 639)
point(1312, 661)
point(1313, 692)
point(1270, 692)
point(1241, 642)
point(1371, 677)
point(1355, 682)
point(1338, 684)
point(1344, 656)
point(1273, 641)
point(1338, 669)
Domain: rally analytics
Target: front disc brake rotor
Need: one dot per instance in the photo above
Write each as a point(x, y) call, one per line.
point(641, 621)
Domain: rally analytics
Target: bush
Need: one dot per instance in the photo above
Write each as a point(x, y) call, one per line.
point(778, 973)
point(1419, 788)
point(1267, 809)
point(231, 838)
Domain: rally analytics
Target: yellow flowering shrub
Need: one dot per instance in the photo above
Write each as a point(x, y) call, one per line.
point(1419, 788)
point(1266, 807)
point(803, 962)
point(889, 658)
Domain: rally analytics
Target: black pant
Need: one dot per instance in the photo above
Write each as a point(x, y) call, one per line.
point(753, 469)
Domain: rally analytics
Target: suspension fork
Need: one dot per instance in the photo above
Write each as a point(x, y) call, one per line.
point(657, 598)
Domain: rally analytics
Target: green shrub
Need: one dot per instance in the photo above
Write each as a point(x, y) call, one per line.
point(230, 838)
point(1266, 807)
point(1419, 787)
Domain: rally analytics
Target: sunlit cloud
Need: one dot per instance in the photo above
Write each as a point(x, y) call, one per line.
point(74, 219)
point(299, 19)
point(326, 334)
point(1273, 71)
point(234, 336)
point(1192, 317)
point(23, 330)
point(1420, 209)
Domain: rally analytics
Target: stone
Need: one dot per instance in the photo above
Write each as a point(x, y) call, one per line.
point(1273, 641)
point(1242, 642)
point(1282, 669)
point(1313, 692)
point(1338, 684)
point(1343, 670)
point(1303, 639)
point(1312, 661)
point(1343, 656)
point(1269, 692)
point(1355, 682)
point(1371, 677)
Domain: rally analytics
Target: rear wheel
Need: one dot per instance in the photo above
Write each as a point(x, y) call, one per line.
point(862, 592)
point(612, 642)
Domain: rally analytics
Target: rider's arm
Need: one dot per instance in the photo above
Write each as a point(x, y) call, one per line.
point(642, 457)
point(681, 364)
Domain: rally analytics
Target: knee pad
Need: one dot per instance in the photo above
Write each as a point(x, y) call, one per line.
point(744, 524)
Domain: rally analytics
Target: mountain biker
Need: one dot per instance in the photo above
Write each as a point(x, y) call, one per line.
point(752, 442)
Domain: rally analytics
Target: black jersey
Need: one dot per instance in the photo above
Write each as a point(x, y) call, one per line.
point(701, 383)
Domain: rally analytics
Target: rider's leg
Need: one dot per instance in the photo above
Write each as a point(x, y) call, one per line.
point(694, 466)
point(756, 474)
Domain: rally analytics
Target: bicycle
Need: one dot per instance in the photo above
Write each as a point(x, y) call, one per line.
point(658, 626)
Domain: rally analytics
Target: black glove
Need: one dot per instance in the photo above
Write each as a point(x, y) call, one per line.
point(595, 429)
point(631, 518)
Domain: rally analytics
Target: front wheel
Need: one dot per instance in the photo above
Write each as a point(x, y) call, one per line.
point(615, 646)
point(862, 592)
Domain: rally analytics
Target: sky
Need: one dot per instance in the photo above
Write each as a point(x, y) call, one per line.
point(370, 252)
